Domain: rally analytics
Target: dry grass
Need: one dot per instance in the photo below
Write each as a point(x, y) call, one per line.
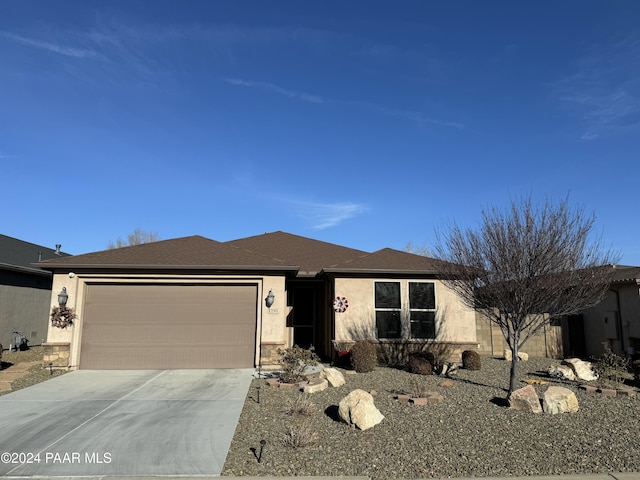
point(302, 405)
point(418, 388)
point(299, 436)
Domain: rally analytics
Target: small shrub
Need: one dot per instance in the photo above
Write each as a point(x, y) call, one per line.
point(295, 361)
point(471, 360)
point(611, 368)
point(421, 363)
point(397, 354)
point(302, 405)
point(364, 357)
point(299, 436)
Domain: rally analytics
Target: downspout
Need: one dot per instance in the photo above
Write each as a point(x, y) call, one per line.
point(619, 321)
point(333, 351)
point(260, 339)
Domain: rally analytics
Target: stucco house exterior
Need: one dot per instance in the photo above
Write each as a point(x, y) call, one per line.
point(194, 302)
point(25, 290)
point(615, 320)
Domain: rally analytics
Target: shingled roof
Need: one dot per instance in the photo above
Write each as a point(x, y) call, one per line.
point(280, 251)
point(389, 260)
point(623, 274)
point(310, 255)
point(186, 252)
point(19, 255)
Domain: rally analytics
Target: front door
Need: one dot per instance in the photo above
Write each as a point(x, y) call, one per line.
point(307, 318)
point(304, 316)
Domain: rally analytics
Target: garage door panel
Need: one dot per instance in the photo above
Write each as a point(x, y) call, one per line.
point(170, 334)
point(139, 326)
point(117, 357)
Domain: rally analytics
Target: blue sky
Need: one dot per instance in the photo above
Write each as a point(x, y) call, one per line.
point(366, 124)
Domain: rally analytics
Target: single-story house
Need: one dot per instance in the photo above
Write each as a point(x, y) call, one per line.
point(615, 320)
point(193, 302)
point(25, 290)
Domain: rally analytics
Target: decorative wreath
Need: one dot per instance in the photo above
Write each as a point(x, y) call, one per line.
point(340, 304)
point(62, 317)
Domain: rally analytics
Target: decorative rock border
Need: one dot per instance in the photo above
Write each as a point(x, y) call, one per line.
point(431, 398)
point(610, 392)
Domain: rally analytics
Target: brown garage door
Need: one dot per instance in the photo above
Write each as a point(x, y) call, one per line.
point(151, 326)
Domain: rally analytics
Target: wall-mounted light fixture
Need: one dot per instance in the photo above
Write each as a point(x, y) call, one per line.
point(63, 297)
point(270, 299)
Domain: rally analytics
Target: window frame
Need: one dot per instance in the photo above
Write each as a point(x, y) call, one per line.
point(385, 310)
point(428, 310)
point(406, 322)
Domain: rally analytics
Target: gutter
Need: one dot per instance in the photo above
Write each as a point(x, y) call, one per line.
point(85, 266)
point(379, 271)
point(21, 269)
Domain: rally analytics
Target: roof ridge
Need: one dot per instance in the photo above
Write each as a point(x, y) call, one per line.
point(288, 234)
point(128, 247)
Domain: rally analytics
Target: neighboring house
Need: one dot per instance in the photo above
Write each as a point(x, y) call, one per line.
point(197, 303)
point(616, 320)
point(25, 290)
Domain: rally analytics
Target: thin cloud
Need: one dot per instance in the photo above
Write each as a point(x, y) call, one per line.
point(327, 215)
point(51, 47)
point(306, 97)
point(603, 91)
point(418, 117)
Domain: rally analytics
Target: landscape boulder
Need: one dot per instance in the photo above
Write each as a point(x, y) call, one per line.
point(581, 369)
point(333, 376)
point(525, 399)
point(315, 385)
point(357, 409)
point(563, 372)
point(559, 400)
point(521, 355)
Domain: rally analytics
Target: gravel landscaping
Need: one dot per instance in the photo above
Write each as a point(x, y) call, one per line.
point(471, 433)
point(35, 374)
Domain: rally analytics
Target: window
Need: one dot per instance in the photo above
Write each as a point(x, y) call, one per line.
point(387, 304)
point(408, 304)
point(422, 309)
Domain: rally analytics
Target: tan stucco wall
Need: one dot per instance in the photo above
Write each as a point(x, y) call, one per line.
point(271, 322)
point(454, 322)
point(622, 320)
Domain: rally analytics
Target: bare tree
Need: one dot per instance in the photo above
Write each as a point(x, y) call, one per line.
point(137, 237)
point(526, 266)
point(417, 250)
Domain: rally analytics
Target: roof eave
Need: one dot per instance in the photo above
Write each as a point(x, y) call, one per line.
point(379, 271)
point(21, 269)
point(84, 266)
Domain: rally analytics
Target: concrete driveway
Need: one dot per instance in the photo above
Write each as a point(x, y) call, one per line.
point(122, 422)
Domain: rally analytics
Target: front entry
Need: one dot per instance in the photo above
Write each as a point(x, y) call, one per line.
point(308, 312)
